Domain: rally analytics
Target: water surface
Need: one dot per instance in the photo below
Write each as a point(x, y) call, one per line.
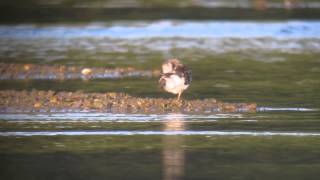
point(273, 63)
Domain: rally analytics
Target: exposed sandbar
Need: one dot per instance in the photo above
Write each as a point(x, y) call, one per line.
point(49, 101)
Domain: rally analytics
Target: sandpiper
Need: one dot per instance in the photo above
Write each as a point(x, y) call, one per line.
point(175, 77)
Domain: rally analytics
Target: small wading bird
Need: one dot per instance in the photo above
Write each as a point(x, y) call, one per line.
point(175, 77)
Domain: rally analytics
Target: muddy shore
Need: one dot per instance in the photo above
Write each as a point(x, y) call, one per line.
point(34, 71)
point(50, 101)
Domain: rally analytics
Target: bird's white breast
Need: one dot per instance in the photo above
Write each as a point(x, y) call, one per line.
point(175, 84)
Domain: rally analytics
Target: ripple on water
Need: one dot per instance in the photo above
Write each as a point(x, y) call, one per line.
point(93, 116)
point(99, 41)
point(174, 124)
point(84, 116)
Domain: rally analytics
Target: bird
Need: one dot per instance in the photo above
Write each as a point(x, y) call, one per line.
point(175, 77)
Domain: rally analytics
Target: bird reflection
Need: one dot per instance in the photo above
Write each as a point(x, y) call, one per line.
point(173, 153)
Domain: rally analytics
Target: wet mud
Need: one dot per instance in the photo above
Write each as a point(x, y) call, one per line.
point(12, 101)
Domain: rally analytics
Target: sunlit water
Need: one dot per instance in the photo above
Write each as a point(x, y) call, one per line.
point(275, 64)
point(207, 29)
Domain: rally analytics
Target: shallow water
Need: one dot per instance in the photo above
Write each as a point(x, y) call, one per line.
point(170, 146)
point(275, 64)
point(175, 146)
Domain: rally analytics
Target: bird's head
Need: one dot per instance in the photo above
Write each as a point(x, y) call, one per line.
point(170, 65)
point(167, 68)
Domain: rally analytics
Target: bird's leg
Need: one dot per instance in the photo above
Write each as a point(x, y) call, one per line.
point(179, 94)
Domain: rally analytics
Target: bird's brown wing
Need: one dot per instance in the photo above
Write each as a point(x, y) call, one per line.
point(187, 76)
point(183, 71)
